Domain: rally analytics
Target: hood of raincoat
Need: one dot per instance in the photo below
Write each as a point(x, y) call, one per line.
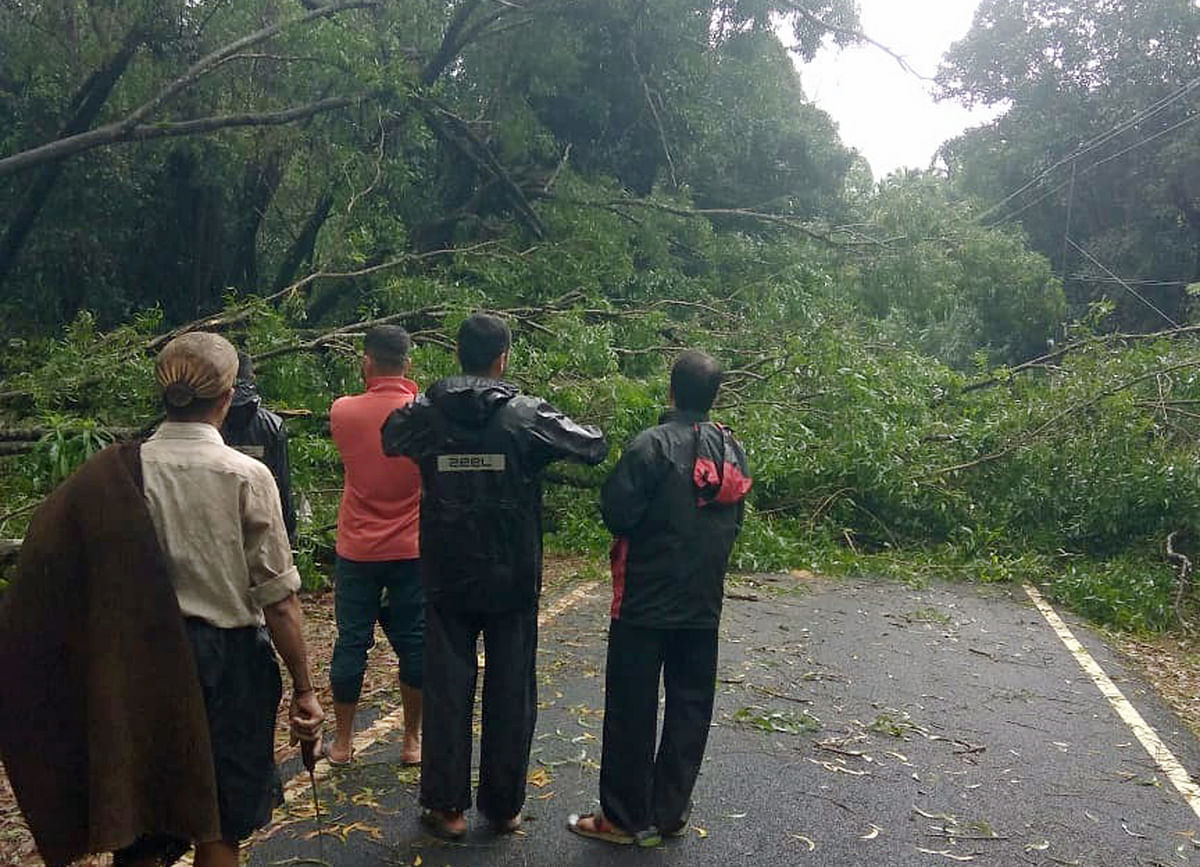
point(471, 401)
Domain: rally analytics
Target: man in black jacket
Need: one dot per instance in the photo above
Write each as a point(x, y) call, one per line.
point(254, 430)
point(481, 447)
point(675, 502)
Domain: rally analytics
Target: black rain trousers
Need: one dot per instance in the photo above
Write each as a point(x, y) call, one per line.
point(509, 708)
point(639, 786)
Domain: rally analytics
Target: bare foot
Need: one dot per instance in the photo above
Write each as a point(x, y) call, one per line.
point(337, 753)
point(411, 753)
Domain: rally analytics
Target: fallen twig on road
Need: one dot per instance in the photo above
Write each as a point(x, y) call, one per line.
point(780, 695)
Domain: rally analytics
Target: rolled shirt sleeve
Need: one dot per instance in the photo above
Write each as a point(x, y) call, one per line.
point(273, 574)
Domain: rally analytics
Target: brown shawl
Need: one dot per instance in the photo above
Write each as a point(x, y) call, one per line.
point(102, 724)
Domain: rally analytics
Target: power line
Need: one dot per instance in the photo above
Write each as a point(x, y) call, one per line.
point(1123, 283)
point(1050, 192)
point(1093, 278)
point(1147, 140)
point(1102, 139)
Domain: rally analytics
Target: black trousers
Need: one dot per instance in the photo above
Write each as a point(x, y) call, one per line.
point(509, 709)
point(640, 787)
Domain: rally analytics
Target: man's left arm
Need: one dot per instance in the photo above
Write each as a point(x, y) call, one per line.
point(280, 466)
point(406, 432)
point(558, 437)
point(743, 464)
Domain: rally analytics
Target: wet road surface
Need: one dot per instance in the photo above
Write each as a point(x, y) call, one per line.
point(857, 723)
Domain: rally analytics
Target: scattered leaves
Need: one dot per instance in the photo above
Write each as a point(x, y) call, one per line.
point(807, 841)
point(784, 722)
point(946, 853)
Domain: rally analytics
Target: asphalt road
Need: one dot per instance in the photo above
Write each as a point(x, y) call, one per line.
point(857, 723)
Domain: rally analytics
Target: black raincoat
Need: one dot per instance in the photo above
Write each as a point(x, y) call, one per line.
point(254, 430)
point(481, 447)
point(675, 502)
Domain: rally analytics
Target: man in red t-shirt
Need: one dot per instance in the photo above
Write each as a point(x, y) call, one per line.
point(377, 576)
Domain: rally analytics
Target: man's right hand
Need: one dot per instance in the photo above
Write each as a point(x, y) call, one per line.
point(306, 716)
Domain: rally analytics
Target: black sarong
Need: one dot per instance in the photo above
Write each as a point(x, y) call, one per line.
point(239, 676)
point(242, 687)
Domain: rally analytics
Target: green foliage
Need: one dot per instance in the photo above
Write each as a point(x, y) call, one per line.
point(1131, 592)
point(590, 166)
point(963, 290)
point(1096, 142)
point(66, 444)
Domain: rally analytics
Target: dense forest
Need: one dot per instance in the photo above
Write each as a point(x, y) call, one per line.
point(984, 369)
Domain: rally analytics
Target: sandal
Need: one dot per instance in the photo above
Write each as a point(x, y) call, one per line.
point(437, 822)
point(680, 828)
point(507, 826)
point(324, 752)
point(606, 831)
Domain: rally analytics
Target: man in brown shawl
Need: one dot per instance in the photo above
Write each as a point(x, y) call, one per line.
point(137, 638)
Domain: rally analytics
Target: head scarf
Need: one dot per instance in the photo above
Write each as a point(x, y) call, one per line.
point(196, 366)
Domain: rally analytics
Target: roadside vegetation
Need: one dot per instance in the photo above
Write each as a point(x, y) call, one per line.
point(987, 370)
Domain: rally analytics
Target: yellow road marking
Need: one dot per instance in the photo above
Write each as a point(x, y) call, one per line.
point(1146, 735)
point(299, 787)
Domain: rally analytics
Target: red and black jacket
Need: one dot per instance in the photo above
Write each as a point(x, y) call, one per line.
point(675, 501)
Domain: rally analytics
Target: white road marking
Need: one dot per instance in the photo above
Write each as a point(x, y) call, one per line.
point(1146, 735)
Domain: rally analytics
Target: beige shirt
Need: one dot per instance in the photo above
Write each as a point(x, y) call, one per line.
point(218, 519)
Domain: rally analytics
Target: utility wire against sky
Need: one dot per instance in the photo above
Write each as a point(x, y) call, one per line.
point(1064, 184)
point(1123, 283)
point(1093, 278)
point(1094, 143)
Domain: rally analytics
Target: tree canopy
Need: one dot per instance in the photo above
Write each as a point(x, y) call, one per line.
point(1096, 154)
point(986, 367)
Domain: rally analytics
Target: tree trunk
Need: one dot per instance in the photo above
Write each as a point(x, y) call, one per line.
point(85, 107)
point(301, 251)
point(450, 46)
point(260, 183)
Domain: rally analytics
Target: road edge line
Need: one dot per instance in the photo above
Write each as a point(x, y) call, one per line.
point(1171, 767)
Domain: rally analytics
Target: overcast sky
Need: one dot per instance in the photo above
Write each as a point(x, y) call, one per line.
point(881, 110)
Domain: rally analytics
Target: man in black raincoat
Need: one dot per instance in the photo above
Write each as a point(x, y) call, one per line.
point(481, 447)
point(254, 430)
point(675, 503)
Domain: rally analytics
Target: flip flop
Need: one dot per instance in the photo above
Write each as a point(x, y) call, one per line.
point(680, 828)
point(507, 826)
point(607, 832)
point(435, 822)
